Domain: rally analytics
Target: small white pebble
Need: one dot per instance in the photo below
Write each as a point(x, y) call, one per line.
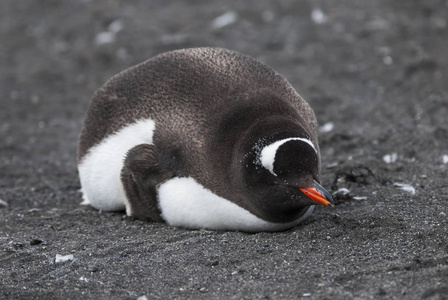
point(64, 258)
point(105, 37)
point(405, 187)
point(390, 158)
point(342, 191)
point(3, 203)
point(306, 295)
point(445, 159)
point(318, 16)
point(224, 20)
point(327, 127)
point(142, 298)
point(360, 198)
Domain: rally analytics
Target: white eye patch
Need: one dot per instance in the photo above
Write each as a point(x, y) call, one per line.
point(267, 155)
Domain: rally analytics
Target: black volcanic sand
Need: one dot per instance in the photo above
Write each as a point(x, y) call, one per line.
point(376, 70)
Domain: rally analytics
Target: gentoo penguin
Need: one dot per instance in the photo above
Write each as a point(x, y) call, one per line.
point(202, 138)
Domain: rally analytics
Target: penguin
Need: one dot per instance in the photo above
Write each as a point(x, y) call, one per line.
point(202, 138)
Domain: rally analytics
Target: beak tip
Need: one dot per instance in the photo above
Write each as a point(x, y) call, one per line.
point(319, 195)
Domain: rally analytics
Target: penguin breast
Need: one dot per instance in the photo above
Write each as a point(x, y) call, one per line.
point(184, 202)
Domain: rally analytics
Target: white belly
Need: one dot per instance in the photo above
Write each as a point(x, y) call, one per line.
point(185, 203)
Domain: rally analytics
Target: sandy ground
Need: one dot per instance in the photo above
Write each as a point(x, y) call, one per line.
point(374, 71)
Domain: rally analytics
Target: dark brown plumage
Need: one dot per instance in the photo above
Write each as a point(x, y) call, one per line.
point(214, 110)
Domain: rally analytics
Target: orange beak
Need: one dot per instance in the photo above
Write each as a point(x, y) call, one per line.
point(318, 194)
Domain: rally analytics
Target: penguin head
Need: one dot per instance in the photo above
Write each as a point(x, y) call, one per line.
point(283, 178)
point(294, 162)
point(272, 157)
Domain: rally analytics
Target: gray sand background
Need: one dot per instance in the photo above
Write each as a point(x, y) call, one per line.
point(374, 71)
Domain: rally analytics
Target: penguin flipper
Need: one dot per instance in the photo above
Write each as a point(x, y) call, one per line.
point(140, 175)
